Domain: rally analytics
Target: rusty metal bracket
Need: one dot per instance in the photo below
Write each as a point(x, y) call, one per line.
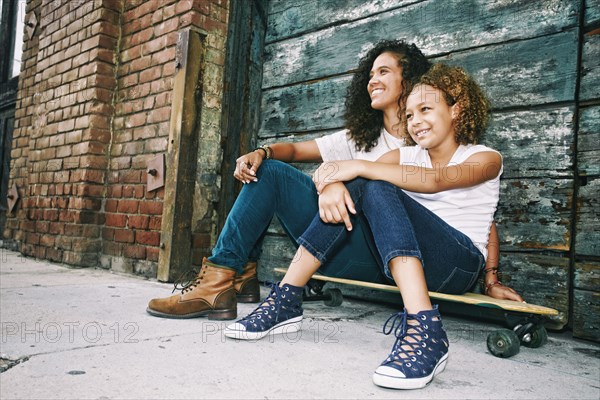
point(12, 197)
point(31, 23)
point(155, 173)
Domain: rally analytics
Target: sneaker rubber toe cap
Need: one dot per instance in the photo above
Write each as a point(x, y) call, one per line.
point(389, 371)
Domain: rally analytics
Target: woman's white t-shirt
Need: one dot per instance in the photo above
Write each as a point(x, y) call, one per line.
point(339, 146)
point(469, 210)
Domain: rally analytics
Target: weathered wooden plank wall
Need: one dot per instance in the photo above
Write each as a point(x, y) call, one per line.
point(586, 283)
point(525, 55)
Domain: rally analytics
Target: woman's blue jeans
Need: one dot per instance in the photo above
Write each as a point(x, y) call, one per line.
point(289, 194)
point(402, 227)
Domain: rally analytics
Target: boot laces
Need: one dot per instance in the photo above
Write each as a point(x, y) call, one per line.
point(271, 304)
point(188, 280)
point(408, 337)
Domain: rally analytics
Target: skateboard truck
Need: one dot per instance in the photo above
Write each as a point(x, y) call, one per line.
point(527, 330)
point(313, 291)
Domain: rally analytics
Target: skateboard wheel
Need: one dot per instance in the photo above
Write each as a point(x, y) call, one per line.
point(503, 343)
point(536, 338)
point(335, 297)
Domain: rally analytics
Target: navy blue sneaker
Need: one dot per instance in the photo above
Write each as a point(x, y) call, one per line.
point(419, 353)
point(280, 312)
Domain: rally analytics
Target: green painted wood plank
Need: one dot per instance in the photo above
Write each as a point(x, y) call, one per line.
point(291, 18)
point(305, 107)
point(587, 275)
point(278, 252)
point(588, 141)
point(539, 279)
point(537, 71)
point(534, 143)
point(436, 27)
point(592, 12)
point(586, 315)
point(588, 219)
point(534, 214)
point(590, 75)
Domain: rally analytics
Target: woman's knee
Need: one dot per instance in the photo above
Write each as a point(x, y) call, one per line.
point(270, 168)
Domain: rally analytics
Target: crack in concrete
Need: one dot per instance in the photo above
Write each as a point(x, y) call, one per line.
point(8, 363)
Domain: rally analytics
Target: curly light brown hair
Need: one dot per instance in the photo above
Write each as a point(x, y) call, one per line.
point(461, 89)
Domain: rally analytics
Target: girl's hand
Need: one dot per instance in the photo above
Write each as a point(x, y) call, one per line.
point(334, 204)
point(499, 291)
point(335, 171)
point(247, 165)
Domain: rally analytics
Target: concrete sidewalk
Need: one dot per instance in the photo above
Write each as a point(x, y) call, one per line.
point(84, 334)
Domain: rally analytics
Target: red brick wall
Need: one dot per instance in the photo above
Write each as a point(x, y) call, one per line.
point(93, 108)
point(62, 131)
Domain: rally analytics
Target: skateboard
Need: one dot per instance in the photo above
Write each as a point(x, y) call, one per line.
point(524, 320)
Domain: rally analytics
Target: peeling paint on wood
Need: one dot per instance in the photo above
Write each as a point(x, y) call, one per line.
point(311, 106)
point(586, 315)
point(590, 75)
point(436, 27)
point(278, 251)
point(540, 279)
point(592, 12)
point(290, 18)
point(587, 275)
point(535, 214)
point(534, 143)
point(536, 71)
point(588, 142)
point(588, 219)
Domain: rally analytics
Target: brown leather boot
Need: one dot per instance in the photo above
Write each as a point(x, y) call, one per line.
point(210, 294)
point(246, 285)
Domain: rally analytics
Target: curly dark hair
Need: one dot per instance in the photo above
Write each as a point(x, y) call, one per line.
point(459, 88)
point(364, 123)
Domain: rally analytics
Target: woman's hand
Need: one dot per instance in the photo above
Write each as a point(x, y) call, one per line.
point(334, 204)
point(335, 171)
point(247, 165)
point(499, 291)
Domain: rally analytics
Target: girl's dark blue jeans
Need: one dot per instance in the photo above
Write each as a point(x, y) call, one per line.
point(290, 195)
point(400, 226)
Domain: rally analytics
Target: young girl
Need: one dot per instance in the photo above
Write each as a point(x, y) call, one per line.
point(429, 208)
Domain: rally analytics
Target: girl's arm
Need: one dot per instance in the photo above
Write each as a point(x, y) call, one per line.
point(492, 286)
point(478, 168)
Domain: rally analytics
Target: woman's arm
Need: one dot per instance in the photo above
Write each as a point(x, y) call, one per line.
point(477, 169)
point(307, 151)
point(247, 165)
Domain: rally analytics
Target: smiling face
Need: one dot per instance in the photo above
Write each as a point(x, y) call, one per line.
point(385, 85)
point(429, 118)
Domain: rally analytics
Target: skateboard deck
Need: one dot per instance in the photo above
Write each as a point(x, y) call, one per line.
point(525, 320)
point(467, 298)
